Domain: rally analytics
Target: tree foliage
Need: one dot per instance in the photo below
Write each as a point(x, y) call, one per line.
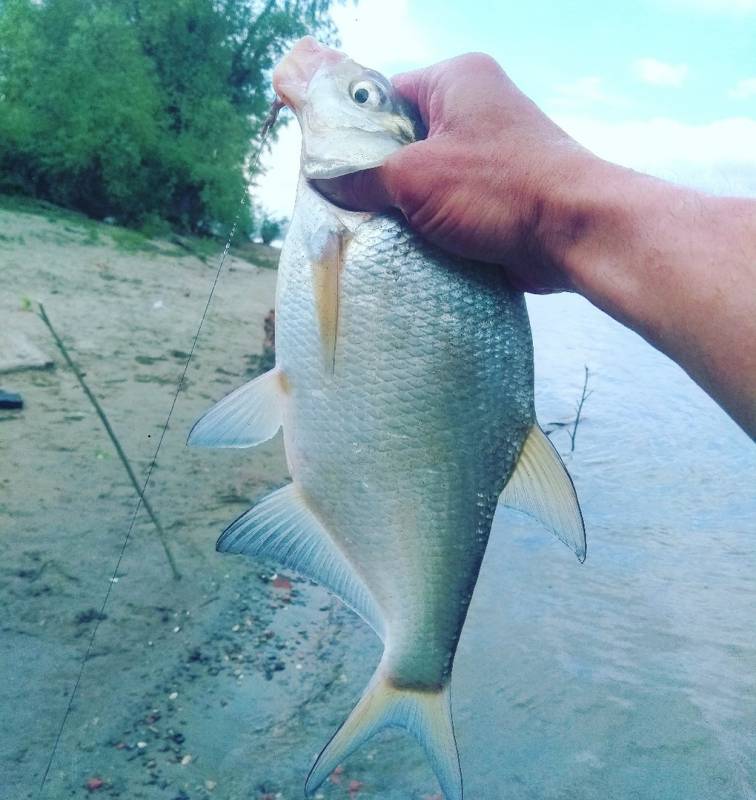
point(141, 108)
point(271, 228)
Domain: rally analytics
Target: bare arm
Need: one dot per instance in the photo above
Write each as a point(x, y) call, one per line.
point(498, 181)
point(673, 264)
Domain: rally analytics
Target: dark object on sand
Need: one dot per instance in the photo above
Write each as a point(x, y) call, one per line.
point(11, 400)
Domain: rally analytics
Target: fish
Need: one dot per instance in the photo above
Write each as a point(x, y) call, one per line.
point(403, 384)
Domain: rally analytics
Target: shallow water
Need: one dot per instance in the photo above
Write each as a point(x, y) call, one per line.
point(633, 675)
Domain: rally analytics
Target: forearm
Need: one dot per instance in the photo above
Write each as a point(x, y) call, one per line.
point(675, 265)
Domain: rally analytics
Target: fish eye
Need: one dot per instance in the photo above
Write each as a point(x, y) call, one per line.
point(367, 94)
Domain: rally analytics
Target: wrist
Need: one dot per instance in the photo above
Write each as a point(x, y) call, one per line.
point(597, 230)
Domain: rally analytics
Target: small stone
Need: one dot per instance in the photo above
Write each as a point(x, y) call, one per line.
point(210, 785)
point(93, 784)
point(141, 745)
point(187, 759)
point(173, 695)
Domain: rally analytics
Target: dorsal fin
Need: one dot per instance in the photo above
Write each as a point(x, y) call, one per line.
point(283, 528)
point(541, 487)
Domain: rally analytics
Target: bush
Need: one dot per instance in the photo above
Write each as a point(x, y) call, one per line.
point(140, 110)
point(271, 229)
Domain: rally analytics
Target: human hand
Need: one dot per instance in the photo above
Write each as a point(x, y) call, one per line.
point(487, 182)
point(496, 180)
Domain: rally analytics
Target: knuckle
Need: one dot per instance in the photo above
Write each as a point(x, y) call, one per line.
point(480, 62)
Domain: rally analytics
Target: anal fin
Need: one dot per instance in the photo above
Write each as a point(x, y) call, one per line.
point(248, 416)
point(541, 487)
point(282, 527)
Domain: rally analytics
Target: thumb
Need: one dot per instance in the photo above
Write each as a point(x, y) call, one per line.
point(367, 190)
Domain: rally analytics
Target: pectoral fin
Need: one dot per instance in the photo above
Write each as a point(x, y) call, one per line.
point(283, 528)
point(248, 416)
point(541, 487)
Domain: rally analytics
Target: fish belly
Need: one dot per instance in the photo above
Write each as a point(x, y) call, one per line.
point(403, 440)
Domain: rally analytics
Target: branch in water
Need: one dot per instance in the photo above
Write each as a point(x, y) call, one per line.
point(573, 424)
point(583, 397)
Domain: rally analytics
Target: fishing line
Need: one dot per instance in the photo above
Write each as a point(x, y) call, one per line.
point(270, 120)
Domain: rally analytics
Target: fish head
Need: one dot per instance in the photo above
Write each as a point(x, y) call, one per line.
point(350, 116)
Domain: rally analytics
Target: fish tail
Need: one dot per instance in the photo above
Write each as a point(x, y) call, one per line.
point(424, 713)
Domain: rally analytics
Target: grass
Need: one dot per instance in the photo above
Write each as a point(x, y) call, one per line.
point(153, 237)
point(131, 241)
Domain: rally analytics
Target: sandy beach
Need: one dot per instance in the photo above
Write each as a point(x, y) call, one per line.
point(193, 688)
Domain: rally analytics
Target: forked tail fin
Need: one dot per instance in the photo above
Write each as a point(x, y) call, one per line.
point(426, 714)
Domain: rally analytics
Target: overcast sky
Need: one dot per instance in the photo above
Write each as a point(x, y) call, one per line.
point(666, 86)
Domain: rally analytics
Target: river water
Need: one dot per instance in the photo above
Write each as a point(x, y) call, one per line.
point(634, 674)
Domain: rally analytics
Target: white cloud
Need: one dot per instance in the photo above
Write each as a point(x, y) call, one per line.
point(743, 89)
point(587, 91)
point(718, 157)
point(659, 73)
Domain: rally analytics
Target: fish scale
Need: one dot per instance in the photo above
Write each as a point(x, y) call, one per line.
point(404, 386)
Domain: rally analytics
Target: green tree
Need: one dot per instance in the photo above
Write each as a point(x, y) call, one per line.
point(135, 108)
point(271, 228)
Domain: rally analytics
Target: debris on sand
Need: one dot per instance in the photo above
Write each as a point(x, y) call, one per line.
point(17, 353)
point(11, 400)
point(94, 783)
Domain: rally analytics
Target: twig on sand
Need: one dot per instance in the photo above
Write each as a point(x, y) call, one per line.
point(114, 439)
point(583, 397)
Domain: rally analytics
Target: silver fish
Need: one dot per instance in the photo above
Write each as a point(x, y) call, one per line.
point(404, 386)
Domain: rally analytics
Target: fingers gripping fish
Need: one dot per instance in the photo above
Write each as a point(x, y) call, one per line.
point(404, 386)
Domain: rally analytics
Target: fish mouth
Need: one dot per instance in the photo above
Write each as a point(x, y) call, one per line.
point(293, 74)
